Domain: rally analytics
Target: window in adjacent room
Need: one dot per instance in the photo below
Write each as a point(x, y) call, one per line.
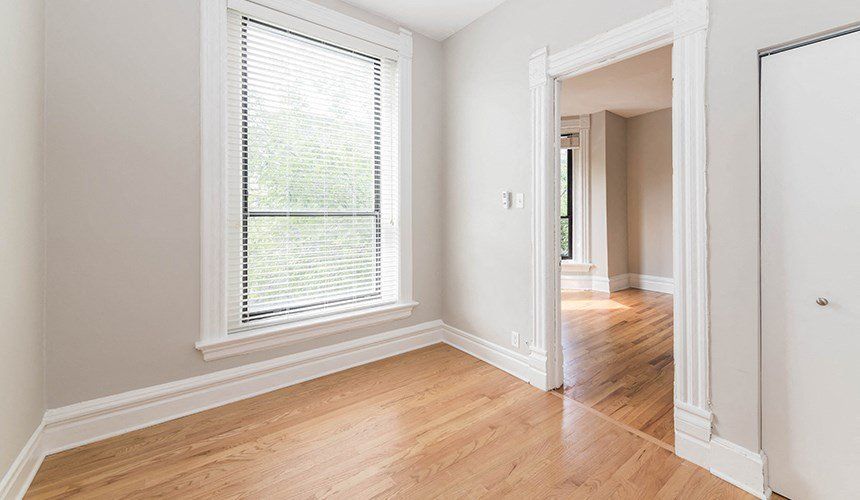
point(569, 143)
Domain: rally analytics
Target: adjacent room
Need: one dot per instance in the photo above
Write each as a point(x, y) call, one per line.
point(616, 241)
point(429, 249)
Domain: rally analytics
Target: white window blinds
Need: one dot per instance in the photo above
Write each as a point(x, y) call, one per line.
point(312, 176)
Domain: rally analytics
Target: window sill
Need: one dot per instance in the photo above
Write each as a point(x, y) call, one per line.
point(575, 267)
point(280, 335)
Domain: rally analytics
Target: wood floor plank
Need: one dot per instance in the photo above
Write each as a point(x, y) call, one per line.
point(618, 356)
point(427, 424)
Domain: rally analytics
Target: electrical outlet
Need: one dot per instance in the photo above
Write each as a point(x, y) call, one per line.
point(519, 200)
point(515, 339)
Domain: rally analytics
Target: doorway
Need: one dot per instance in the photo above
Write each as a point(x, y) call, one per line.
point(683, 25)
point(615, 203)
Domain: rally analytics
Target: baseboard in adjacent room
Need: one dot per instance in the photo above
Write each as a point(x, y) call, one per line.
point(652, 283)
point(17, 479)
point(617, 283)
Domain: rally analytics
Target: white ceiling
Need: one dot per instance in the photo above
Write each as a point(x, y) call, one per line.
point(437, 19)
point(628, 88)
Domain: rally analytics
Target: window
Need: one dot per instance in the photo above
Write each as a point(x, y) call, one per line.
point(566, 202)
point(313, 230)
point(574, 193)
point(311, 147)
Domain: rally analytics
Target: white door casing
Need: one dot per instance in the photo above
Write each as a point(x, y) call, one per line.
point(810, 173)
point(684, 25)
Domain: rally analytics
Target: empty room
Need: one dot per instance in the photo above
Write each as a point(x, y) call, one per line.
point(429, 249)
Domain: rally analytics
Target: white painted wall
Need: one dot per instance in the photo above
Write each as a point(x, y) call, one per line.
point(487, 250)
point(22, 226)
point(123, 182)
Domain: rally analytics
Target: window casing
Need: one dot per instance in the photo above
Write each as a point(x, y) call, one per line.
point(304, 217)
point(566, 203)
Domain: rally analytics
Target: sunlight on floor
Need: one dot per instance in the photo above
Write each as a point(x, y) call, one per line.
point(590, 303)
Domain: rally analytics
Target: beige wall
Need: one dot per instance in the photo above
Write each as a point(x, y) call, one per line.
point(22, 227)
point(597, 179)
point(123, 183)
point(616, 193)
point(608, 180)
point(649, 193)
point(487, 64)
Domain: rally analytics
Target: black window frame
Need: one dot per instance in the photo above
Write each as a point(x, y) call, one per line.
point(569, 216)
point(247, 315)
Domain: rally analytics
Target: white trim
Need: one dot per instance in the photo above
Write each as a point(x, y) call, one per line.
point(692, 433)
point(577, 277)
point(17, 479)
point(652, 283)
point(214, 341)
point(577, 282)
point(581, 184)
point(569, 266)
point(297, 331)
point(213, 130)
point(505, 359)
point(685, 25)
point(89, 421)
point(335, 20)
point(738, 465)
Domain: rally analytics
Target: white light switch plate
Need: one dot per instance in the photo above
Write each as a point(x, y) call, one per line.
point(519, 200)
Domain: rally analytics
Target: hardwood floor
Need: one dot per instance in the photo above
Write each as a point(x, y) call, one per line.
point(618, 357)
point(430, 423)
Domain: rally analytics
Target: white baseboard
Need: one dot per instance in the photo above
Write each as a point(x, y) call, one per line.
point(724, 459)
point(692, 434)
point(17, 479)
point(90, 421)
point(652, 283)
point(738, 465)
point(577, 282)
point(617, 283)
point(94, 420)
point(505, 359)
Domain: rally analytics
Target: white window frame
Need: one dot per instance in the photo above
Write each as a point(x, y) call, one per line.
point(581, 250)
point(214, 341)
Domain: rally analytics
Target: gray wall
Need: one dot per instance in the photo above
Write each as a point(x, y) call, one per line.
point(649, 193)
point(487, 149)
point(22, 227)
point(123, 182)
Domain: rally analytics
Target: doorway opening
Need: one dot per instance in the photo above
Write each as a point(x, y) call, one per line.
point(616, 241)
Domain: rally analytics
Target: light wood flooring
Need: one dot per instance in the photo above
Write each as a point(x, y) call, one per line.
point(618, 357)
point(427, 424)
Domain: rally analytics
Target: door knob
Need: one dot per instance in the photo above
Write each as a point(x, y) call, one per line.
point(822, 301)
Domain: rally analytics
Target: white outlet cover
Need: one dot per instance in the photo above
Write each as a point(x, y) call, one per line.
point(515, 339)
point(519, 200)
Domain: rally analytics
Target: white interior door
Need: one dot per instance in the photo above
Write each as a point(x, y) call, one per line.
point(810, 195)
